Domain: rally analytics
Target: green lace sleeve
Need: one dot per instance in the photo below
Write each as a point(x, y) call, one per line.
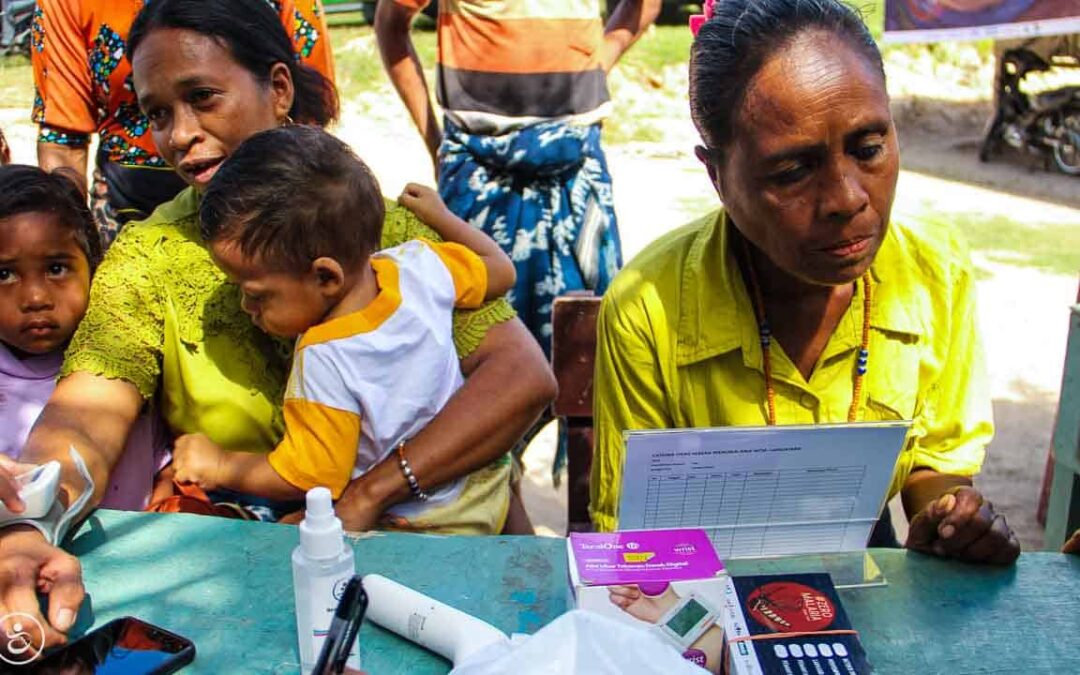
point(122, 334)
point(470, 325)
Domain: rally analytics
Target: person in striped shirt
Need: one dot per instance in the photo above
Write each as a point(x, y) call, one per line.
point(523, 89)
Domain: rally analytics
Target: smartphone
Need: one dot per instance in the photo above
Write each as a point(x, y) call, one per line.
point(126, 645)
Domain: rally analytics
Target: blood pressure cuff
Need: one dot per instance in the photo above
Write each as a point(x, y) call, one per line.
point(55, 524)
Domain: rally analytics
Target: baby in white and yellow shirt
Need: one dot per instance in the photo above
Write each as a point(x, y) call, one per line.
point(294, 218)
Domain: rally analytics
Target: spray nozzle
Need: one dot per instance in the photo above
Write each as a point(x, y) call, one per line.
point(319, 504)
point(320, 531)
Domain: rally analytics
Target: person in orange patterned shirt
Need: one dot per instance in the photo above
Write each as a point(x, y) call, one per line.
point(82, 85)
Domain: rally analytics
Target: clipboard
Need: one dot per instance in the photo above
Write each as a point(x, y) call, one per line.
point(763, 491)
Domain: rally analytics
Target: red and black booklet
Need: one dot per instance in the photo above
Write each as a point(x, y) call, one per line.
point(788, 624)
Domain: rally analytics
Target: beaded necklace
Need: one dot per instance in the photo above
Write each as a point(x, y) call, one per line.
point(766, 340)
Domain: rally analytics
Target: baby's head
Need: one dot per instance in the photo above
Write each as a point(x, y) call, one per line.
point(49, 248)
point(292, 216)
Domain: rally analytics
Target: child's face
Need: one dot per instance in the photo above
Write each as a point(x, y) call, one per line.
point(280, 303)
point(44, 282)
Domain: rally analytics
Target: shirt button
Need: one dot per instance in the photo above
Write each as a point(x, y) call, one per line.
point(807, 401)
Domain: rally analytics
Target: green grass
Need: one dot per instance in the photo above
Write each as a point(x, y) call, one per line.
point(357, 63)
point(873, 13)
point(648, 86)
point(16, 82)
point(344, 19)
point(661, 47)
point(1051, 247)
point(358, 70)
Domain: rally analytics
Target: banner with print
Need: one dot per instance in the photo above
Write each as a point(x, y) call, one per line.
point(935, 20)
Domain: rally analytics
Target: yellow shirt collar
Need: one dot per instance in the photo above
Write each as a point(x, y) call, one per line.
point(716, 315)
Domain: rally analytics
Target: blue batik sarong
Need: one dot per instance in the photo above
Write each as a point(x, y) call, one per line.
point(544, 194)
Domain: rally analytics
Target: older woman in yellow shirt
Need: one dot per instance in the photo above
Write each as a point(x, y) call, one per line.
point(800, 302)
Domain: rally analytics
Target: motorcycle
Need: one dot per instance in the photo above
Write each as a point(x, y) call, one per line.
point(16, 19)
point(1046, 124)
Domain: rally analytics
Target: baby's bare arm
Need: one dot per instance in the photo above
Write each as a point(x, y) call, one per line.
point(429, 207)
point(197, 459)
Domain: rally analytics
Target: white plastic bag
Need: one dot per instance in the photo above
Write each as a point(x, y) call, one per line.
point(580, 643)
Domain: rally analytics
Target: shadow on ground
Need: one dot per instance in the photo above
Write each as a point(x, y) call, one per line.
point(1013, 471)
point(942, 138)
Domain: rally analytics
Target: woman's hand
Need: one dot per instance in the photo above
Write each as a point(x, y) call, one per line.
point(9, 484)
point(1073, 545)
point(479, 423)
point(357, 510)
point(962, 524)
point(199, 460)
point(30, 565)
point(646, 608)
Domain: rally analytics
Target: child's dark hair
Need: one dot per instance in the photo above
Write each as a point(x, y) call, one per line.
point(28, 189)
point(732, 46)
point(252, 32)
point(293, 194)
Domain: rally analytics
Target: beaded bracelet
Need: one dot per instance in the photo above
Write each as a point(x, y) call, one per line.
point(414, 484)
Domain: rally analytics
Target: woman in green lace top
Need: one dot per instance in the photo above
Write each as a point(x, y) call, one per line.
point(165, 327)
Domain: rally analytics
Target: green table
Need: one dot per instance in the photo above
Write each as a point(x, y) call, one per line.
point(227, 585)
point(938, 616)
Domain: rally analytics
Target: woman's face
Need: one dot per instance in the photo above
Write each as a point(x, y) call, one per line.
point(810, 174)
point(201, 102)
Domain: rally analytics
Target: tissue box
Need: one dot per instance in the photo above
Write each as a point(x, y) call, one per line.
point(760, 611)
point(668, 582)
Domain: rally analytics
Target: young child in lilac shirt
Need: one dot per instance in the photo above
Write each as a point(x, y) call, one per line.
point(49, 248)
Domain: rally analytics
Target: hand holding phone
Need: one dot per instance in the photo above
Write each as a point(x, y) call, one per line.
point(126, 645)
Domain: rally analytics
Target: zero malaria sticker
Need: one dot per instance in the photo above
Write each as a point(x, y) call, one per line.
point(788, 607)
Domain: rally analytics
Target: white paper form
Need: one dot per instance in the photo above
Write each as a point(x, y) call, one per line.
point(762, 490)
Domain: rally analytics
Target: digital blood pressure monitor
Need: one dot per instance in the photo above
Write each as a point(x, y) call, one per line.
point(684, 623)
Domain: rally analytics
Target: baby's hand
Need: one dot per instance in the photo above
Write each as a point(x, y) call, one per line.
point(199, 460)
point(425, 203)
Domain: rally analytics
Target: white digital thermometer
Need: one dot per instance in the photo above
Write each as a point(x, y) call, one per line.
point(37, 489)
point(448, 632)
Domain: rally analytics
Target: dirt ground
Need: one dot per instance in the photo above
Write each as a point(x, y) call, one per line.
point(659, 185)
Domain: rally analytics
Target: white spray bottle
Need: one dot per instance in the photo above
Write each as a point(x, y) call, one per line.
point(322, 566)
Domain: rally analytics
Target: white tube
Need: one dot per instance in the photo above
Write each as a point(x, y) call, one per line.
point(444, 630)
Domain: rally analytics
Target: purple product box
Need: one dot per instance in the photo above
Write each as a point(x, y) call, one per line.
point(667, 582)
point(643, 557)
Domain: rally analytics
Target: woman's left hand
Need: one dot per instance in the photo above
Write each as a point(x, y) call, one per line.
point(1073, 545)
point(353, 519)
point(962, 524)
point(356, 509)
